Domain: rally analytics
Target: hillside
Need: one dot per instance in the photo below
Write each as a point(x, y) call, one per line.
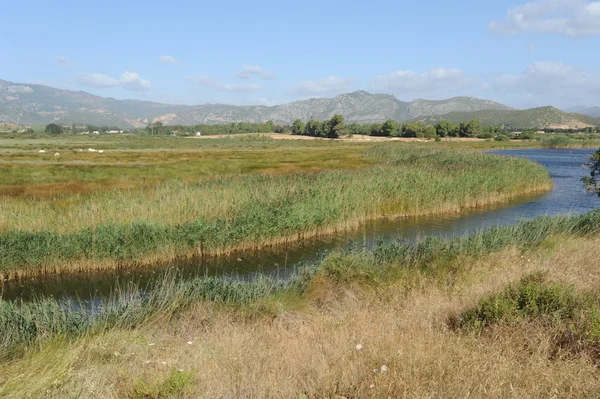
point(534, 118)
point(419, 108)
point(31, 104)
point(590, 111)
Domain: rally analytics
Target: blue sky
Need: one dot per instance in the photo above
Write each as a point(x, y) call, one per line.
point(267, 52)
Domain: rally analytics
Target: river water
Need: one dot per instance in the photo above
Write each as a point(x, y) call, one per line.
point(566, 166)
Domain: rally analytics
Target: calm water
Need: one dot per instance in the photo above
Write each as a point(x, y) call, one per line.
point(568, 197)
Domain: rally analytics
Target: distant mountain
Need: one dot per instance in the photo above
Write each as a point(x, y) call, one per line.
point(534, 118)
point(590, 111)
point(420, 108)
point(31, 104)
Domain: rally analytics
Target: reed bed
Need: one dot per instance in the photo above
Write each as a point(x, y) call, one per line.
point(23, 324)
point(115, 228)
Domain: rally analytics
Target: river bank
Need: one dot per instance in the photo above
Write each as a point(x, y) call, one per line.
point(169, 341)
point(115, 229)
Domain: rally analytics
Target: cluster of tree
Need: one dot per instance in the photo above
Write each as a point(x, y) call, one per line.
point(335, 127)
point(158, 128)
point(592, 182)
point(331, 128)
point(392, 128)
point(54, 128)
point(589, 130)
point(93, 128)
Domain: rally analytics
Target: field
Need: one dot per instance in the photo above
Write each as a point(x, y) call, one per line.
point(511, 312)
point(153, 199)
point(508, 312)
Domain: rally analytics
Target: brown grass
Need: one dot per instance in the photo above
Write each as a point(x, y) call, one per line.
point(290, 349)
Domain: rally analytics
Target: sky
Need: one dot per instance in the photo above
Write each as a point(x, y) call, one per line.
point(523, 54)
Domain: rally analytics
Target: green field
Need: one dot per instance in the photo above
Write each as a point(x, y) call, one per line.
point(150, 199)
point(355, 323)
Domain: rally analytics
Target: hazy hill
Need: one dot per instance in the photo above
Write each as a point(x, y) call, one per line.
point(31, 104)
point(542, 117)
point(590, 111)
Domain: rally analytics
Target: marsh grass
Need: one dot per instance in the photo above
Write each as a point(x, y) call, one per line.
point(25, 323)
point(218, 215)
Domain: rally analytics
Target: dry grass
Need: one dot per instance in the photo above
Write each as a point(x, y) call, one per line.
point(293, 350)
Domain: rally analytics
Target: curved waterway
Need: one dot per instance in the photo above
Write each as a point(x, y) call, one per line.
point(568, 196)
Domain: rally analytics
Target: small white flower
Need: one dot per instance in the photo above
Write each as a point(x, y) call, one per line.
point(189, 342)
point(384, 369)
point(180, 370)
point(372, 386)
point(359, 347)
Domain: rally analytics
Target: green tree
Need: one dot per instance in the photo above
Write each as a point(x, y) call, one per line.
point(270, 126)
point(591, 182)
point(389, 128)
point(334, 127)
point(53, 128)
point(297, 127)
point(313, 128)
point(469, 129)
point(375, 129)
point(445, 129)
point(414, 129)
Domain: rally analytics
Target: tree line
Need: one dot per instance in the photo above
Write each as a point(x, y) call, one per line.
point(158, 128)
point(336, 127)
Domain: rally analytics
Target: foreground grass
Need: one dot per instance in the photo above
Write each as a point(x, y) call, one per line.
point(367, 324)
point(211, 216)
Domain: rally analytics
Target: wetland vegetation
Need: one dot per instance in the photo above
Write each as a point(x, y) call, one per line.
point(408, 318)
point(141, 202)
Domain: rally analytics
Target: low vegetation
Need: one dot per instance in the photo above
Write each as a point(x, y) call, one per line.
point(193, 214)
point(411, 320)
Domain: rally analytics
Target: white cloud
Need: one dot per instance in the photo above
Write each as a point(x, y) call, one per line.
point(167, 59)
point(555, 83)
point(96, 80)
point(128, 80)
point(249, 71)
point(204, 81)
point(331, 85)
point(563, 17)
point(133, 81)
point(435, 81)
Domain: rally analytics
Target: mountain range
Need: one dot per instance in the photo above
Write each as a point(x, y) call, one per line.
point(32, 104)
point(590, 111)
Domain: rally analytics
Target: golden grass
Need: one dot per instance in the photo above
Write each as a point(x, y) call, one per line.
point(290, 349)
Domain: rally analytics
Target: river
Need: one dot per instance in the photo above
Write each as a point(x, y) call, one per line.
point(566, 166)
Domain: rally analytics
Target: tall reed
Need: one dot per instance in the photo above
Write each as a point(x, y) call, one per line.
point(23, 323)
point(217, 215)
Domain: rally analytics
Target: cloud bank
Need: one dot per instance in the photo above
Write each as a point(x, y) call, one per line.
point(128, 80)
point(328, 86)
point(206, 82)
point(563, 17)
point(255, 71)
